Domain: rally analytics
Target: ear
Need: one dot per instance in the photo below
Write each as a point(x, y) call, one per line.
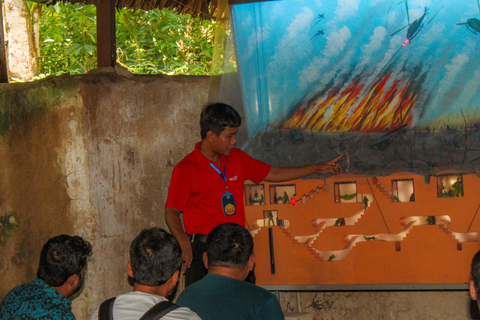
point(174, 278)
point(129, 269)
point(205, 260)
point(211, 135)
point(251, 262)
point(72, 281)
point(473, 292)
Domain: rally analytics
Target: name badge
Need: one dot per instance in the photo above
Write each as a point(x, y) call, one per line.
point(228, 204)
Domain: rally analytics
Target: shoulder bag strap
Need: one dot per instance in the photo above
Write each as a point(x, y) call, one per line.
point(105, 311)
point(159, 310)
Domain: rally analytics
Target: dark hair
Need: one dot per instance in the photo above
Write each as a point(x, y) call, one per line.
point(216, 117)
point(62, 257)
point(475, 272)
point(229, 245)
point(155, 255)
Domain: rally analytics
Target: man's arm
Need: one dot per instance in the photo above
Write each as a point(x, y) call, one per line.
point(279, 174)
point(172, 218)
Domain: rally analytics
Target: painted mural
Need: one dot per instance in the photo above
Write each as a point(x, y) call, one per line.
point(352, 65)
point(395, 85)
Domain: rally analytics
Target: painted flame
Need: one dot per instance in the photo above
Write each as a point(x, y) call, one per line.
point(381, 108)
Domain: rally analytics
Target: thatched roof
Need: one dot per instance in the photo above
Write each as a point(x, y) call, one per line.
point(203, 8)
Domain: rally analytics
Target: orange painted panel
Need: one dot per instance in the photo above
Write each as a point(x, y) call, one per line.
point(430, 240)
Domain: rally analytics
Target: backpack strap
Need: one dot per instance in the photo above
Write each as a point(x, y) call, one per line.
point(105, 311)
point(159, 310)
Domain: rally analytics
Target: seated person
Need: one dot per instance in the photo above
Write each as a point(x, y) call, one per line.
point(60, 274)
point(155, 259)
point(223, 293)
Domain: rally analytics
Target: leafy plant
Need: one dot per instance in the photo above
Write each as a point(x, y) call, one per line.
point(148, 42)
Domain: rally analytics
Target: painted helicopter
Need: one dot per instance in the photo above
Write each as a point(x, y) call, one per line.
point(413, 28)
point(472, 24)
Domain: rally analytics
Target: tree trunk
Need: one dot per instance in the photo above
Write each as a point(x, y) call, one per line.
point(21, 50)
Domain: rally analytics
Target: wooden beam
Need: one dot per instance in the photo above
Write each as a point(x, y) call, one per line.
point(3, 56)
point(106, 38)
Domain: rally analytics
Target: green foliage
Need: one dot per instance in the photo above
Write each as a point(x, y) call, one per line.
point(67, 39)
point(148, 42)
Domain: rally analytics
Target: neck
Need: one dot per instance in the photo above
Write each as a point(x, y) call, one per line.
point(208, 153)
point(158, 290)
point(63, 290)
point(235, 273)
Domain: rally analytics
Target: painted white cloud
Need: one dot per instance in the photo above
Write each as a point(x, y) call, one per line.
point(336, 42)
point(346, 9)
point(296, 35)
point(470, 90)
point(452, 69)
point(312, 72)
point(374, 45)
point(298, 28)
point(247, 22)
point(254, 40)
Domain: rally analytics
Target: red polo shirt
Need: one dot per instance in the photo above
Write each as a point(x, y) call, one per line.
point(196, 188)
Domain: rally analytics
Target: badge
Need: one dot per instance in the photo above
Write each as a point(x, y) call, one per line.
point(228, 204)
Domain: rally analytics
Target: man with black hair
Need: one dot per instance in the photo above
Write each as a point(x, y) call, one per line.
point(207, 185)
point(223, 293)
point(155, 260)
point(475, 281)
point(61, 273)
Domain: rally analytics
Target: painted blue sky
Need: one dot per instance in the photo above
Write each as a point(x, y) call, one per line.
point(290, 51)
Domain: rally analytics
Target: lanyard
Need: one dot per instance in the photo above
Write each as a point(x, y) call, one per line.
point(221, 174)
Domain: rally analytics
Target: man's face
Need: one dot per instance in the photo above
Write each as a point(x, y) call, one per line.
point(225, 142)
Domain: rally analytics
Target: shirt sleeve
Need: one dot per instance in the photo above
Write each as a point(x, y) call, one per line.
point(255, 170)
point(179, 190)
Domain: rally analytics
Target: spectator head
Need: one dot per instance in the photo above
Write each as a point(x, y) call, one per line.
point(230, 245)
point(64, 259)
point(216, 117)
point(155, 256)
point(475, 277)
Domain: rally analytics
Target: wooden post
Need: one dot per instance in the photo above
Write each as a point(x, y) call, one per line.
point(3, 56)
point(106, 39)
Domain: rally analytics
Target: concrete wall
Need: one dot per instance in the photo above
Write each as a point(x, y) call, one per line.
point(92, 155)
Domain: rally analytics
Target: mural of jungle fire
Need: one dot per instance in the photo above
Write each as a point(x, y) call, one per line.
point(357, 65)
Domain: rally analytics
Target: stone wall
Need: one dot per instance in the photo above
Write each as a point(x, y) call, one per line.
point(381, 305)
point(92, 155)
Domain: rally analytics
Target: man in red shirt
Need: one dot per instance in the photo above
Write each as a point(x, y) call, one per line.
point(207, 185)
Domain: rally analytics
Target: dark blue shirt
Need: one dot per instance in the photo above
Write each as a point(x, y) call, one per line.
point(35, 300)
point(217, 297)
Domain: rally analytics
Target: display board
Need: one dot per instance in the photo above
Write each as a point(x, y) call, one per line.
point(358, 230)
